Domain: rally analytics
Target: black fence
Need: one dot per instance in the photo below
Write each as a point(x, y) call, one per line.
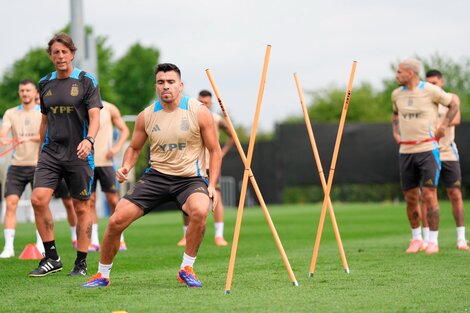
point(368, 155)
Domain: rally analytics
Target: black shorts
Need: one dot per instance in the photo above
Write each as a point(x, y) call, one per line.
point(17, 179)
point(107, 177)
point(451, 176)
point(62, 191)
point(155, 188)
point(419, 169)
point(50, 171)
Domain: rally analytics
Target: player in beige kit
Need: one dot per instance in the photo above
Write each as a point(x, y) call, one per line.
point(23, 121)
point(205, 97)
point(105, 171)
point(450, 173)
point(414, 118)
point(179, 129)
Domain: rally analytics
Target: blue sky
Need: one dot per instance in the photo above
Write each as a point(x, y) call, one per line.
point(317, 39)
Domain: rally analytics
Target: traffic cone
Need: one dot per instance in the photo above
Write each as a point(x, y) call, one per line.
point(30, 252)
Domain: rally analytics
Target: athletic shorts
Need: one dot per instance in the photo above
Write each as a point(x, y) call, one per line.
point(155, 188)
point(62, 191)
point(451, 176)
point(419, 169)
point(50, 171)
point(17, 179)
point(107, 177)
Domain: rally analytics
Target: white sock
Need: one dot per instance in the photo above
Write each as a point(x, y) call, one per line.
point(94, 235)
point(9, 238)
point(104, 269)
point(460, 233)
point(426, 233)
point(433, 236)
point(187, 261)
point(416, 233)
point(122, 237)
point(73, 232)
point(38, 239)
point(219, 229)
point(185, 229)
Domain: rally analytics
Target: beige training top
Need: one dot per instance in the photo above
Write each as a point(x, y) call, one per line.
point(417, 114)
point(447, 146)
point(24, 123)
point(104, 137)
point(176, 145)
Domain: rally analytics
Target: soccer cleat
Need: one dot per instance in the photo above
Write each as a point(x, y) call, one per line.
point(79, 269)
point(7, 253)
point(75, 244)
point(182, 242)
point(93, 247)
point(46, 266)
point(220, 241)
point(189, 278)
point(122, 246)
point(463, 245)
point(416, 245)
point(97, 281)
point(432, 248)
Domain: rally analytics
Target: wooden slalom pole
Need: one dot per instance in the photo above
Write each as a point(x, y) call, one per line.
point(320, 172)
point(248, 174)
point(332, 169)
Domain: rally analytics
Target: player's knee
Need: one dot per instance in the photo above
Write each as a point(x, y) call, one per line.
point(11, 203)
point(411, 197)
point(37, 201)
point(454, 194)
point(198, 214)
point(116, 223)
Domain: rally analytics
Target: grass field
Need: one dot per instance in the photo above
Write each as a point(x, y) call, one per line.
point(383, 278)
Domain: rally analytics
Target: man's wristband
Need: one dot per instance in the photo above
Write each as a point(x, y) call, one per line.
point(91, 140)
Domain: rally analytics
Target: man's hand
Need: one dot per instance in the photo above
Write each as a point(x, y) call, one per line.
point(122, 174)
point(83, 149)
point(440, 132)
point(111, 152)
point(397, 138)
point(213, 196)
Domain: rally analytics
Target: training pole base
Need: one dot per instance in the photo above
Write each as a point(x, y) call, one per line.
point(310, 275)
point(347, 270)
point(295, 283)
point(226, 292)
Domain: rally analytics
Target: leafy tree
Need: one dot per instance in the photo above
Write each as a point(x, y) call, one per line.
point(34, 65)
point(134, 78)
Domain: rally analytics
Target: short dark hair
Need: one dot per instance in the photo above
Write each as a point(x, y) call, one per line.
point(167, 67)
point(434, 73)
point(205, 93)
point(64, 39)
point(26, 82)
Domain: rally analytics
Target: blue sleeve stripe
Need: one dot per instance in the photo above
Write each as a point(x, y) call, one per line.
point(75, 73)
point(184, 103)
point(93, 79)
point(158, 106)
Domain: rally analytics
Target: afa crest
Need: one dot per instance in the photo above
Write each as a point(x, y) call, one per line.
point(74, 90)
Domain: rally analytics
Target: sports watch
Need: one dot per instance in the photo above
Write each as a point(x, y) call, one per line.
point(91, 140)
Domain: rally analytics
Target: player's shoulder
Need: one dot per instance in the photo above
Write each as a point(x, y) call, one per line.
point(85, 77)
point(47, 78)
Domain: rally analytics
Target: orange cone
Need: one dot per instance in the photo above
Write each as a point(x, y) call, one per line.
point(30, 252)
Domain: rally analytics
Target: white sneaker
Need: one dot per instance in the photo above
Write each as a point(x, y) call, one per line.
point(7, 253)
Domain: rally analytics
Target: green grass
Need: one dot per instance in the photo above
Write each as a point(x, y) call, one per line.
point(383, 278)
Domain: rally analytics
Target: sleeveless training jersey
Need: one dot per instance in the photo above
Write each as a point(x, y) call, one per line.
point(66, 103)
point(417, 114)
point(24, 123)
point(176, 145)
point(217, 118)
point(447, 146)
point(104, 137)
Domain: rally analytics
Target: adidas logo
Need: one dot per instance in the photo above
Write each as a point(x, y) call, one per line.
point(457, 183)
point(155, 128)
point(200, 189)
point(48, 93)
point(84, 193)
point(429, 182)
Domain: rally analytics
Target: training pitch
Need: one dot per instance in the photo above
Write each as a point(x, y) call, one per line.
point(383, 278)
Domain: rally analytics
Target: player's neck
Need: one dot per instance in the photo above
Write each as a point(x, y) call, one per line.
point(62, 74)
point(171, 106)
point(28, 106)
point(413, 83)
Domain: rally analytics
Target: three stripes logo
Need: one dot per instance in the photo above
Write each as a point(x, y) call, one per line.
point(84, 192)
point(155, 128)
point(48, 93)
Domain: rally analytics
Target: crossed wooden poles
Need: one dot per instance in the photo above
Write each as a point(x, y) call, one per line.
point(248, 175)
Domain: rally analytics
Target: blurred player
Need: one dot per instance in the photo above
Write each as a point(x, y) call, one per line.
point(205, 97)
point(70, 104)
point(415, 106)
point(23, 121)
point(450, 171)
point(178, 128)
point(104, 166)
